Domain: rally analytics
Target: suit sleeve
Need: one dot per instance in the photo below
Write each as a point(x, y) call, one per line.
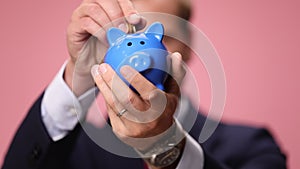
point(241, 147)
point(262, 152)
point(40, 140)
point(234, 146)
point(32, 147)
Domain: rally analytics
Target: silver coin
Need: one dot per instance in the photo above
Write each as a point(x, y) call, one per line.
point(131, 28)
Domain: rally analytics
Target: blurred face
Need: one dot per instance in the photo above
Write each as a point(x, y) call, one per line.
point(172, 26)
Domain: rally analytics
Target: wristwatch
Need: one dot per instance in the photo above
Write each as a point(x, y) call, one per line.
point(167, 150)
point(170, 154)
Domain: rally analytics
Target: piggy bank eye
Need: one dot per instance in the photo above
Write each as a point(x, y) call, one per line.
point(142, 42)
point(129, 43)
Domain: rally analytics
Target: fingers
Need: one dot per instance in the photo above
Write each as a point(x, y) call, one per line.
point(131, 14)
point(115, 89)
point(88, 19)
point(94, 11)
point(177, 67)
point(107, 94)
point(177, 74)
point(118, 95)
point(113, 12)
point(145, 88)
point(95, 14)
point(112, 105)
point(94, 17)
point(155, 98)
point(104, 12)
point(138, 81)
point(90, 26)
point(127, 7)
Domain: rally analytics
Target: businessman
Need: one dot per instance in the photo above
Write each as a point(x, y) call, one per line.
point(51, 135)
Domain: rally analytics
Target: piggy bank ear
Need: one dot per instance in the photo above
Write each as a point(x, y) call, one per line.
point(156, 29)
point(113, 34)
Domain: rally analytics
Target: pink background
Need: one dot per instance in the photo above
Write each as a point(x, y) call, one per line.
point(258, 43)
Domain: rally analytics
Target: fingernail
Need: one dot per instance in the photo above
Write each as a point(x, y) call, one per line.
point(123, 27)
point(127, 72)
point(102, 68)
point(95, 70)
point(134, 18)
point(177, 55)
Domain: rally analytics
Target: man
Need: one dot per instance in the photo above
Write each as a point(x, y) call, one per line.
point(50, 136)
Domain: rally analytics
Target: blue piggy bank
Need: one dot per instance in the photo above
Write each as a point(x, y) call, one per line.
point(144, 52)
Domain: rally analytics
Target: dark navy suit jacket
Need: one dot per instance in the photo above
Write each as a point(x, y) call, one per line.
point(230, 147)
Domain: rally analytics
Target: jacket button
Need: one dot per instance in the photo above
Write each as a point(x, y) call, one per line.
point(35, 155)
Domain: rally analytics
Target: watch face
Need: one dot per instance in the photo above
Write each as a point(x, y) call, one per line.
point(167, 158)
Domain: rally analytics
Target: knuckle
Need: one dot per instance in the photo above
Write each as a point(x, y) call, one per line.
point(136, 78)
point(132, 102)
point(115, 14)
point(131, 99)
point(137, 133)
point(111, 103)
point(153, 125)
point(127, 6)
point(126, 101)
point(79, 11)
point(86, 22)
point(93, 9)
point(154, 94)
point(131, 11)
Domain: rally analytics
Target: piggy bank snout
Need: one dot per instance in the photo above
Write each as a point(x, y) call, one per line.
point(140, 61)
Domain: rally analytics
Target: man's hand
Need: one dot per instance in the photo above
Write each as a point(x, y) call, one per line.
point(93, 18)
point(149, 113)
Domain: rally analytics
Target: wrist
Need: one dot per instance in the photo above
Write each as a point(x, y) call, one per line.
point(79, 83)
point(167, 151)
point(175, 151)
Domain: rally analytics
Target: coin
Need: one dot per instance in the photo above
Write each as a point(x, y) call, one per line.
point(131, 28)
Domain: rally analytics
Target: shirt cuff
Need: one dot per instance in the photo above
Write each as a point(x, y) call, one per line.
point(192, 156)
point(61, 109)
